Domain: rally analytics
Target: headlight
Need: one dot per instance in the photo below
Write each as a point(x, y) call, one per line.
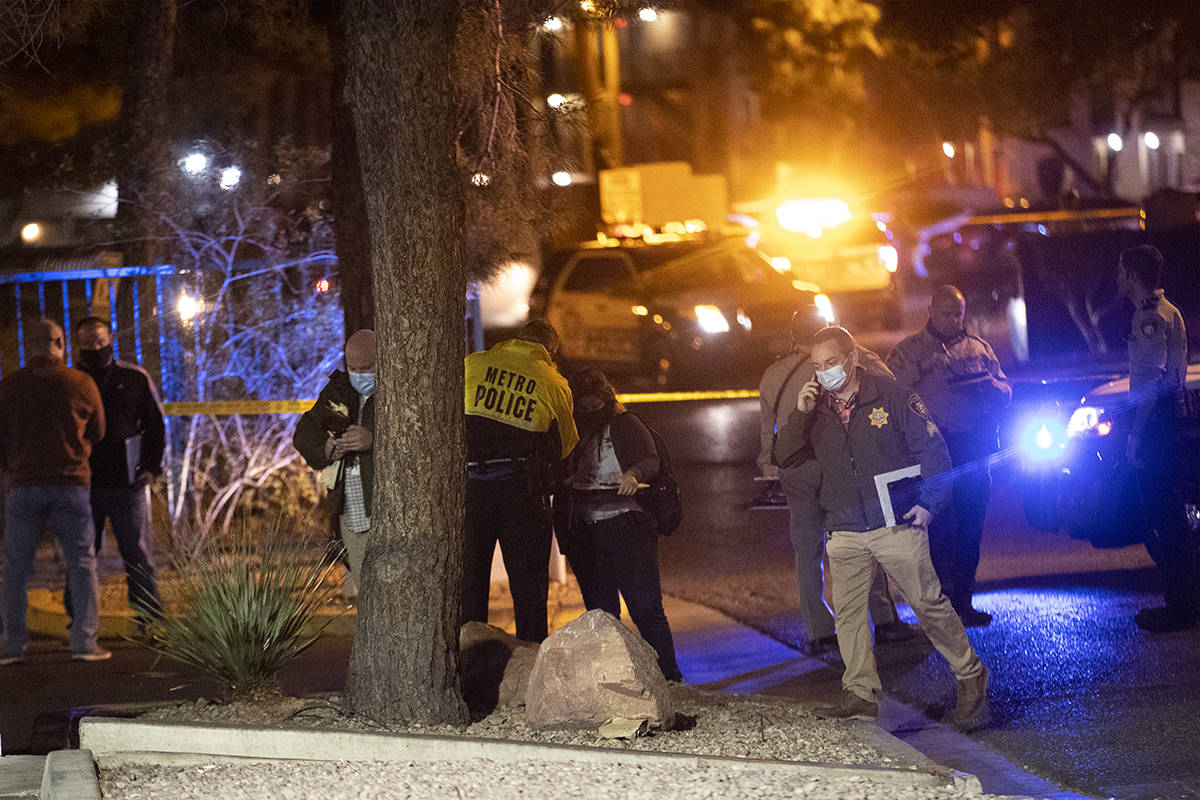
point(1086, 419)
point(1042, 438)
point(711, 320)
point(889, 257)
point(825, 307)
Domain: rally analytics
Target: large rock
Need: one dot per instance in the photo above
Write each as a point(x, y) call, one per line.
point(595, 669)
point(495, 667)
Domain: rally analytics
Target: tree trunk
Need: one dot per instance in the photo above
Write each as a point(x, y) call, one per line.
point(349, 205)
point(404, 666)
point(144, 151)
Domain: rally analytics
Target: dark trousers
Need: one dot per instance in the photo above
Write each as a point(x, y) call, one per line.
point(955, 535)
point(128, 509)
point(1161, 486)
point(514, 513)
point(619, 556)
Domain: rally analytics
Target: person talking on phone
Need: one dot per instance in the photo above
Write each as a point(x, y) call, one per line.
point(859, 426)
point(777, 392)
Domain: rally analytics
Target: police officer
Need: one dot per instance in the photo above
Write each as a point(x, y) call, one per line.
point(778, 391)
point(519, 430)
point(1157, 392)
point(963, 386)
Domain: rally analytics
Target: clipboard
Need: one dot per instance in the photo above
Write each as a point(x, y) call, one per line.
point(901, 484)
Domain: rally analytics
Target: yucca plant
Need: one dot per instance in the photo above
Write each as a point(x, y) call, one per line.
point(242, 603)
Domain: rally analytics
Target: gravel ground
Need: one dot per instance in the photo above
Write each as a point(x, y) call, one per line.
point(725, 725)
point(336, 780)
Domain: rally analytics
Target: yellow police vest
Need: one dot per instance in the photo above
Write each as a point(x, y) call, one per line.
point(515, 383)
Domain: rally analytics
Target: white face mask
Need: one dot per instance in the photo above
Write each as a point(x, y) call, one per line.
point(363, 382)
point(834, 378)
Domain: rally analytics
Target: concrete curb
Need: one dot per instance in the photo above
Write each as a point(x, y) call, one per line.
point(123, 741)
point(70, 775)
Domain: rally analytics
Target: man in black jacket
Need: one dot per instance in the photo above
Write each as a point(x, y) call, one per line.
point(863, 429)
point(125, 461)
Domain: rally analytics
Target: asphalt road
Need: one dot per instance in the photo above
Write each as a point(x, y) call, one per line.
point(1081, 696)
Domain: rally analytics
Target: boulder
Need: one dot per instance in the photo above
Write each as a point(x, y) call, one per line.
point(595, 669)
point(495, 667)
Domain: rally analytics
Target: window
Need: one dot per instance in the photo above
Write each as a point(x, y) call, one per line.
point(598, 274)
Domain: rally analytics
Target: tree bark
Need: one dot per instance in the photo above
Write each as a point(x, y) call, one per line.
point(349, 204)
point(144, 151)
point(404, 665)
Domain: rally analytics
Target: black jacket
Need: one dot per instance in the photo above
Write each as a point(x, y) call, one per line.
point(310, 435)
point(131, 408)
point(889, 429)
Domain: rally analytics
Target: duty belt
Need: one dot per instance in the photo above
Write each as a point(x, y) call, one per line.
point(495, 469)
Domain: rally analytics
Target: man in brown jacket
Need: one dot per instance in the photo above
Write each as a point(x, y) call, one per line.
point(50, 417)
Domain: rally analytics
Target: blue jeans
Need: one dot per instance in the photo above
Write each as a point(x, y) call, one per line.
point(27, 509)
point(128, 509)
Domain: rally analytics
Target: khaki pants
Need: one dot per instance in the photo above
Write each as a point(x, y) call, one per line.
point(356, 550)
point(903, 552)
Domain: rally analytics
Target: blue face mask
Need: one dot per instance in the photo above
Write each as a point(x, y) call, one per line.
point(363, 382)
point(833, 378)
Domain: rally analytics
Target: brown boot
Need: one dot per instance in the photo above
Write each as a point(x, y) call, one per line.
point(972, 712)
point(849, 706)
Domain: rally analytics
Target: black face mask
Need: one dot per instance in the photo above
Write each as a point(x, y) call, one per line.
point(585, 420)
point(96, 360)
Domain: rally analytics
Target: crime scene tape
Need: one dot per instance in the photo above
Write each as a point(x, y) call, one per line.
point(219, 408)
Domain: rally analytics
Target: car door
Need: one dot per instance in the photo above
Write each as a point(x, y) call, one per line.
point(591, 305)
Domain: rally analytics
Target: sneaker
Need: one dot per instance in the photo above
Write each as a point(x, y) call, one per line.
point(974, 618)
point(825, 644)
point(972, 712)
point(12, 658)
point(97, 653)
point(897, 631)
point(1164, 620)
point(850, 706)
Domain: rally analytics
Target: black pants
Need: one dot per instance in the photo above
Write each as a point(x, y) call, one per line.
point(1161, 486)
point(619, 556)
point(955, 535)
point(512, 511)
point(128, 510)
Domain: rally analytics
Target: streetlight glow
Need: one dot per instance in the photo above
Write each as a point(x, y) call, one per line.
point(195, 162)
point(553, 24)
point(1151, 140)
point(561, 178)
point(1114, 142)
point(556, 100)
point(647, 14)
point(948, 149)
point(31, 232)
point(230, 177)
point(188, 307)
point(480, 179)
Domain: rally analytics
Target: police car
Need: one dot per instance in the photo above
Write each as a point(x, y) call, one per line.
point(1080, 480)
point(668, 307)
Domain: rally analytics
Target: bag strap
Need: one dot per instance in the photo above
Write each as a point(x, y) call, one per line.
point(664, 458)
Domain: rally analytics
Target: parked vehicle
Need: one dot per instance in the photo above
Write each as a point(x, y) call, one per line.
point(1078, 478)
point(662, 307)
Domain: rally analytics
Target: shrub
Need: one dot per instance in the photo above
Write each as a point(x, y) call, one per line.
point(246, 605)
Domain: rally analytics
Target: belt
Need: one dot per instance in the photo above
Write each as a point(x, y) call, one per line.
point(497, 461)
point(495, 469)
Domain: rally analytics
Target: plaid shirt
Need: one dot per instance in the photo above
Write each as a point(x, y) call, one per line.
point(354, 510)
point(843, 407)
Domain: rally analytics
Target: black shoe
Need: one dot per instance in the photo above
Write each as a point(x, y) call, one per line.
point(974, 618)
point(898, 631)
point(1164, 620)
point(825, 644)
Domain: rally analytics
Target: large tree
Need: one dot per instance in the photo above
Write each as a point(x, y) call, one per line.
point(405, 659)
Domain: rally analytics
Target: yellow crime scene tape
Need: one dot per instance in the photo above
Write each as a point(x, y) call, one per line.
point(218, 408)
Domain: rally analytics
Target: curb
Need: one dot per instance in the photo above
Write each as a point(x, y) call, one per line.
point(70, 775)
point(120, 741)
